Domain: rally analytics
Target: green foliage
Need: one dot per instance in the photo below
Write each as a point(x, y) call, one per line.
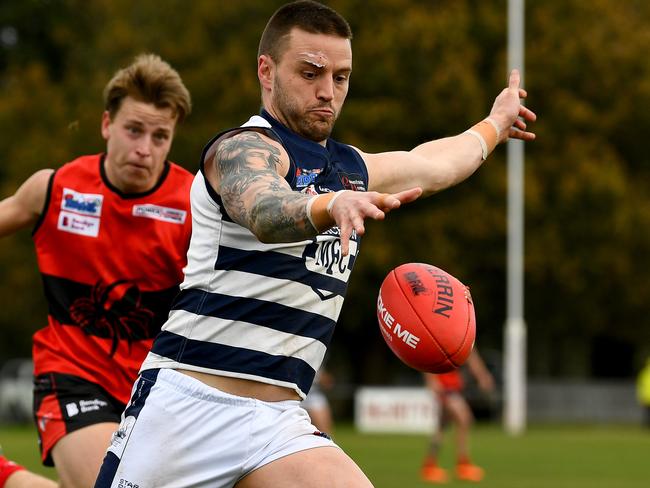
point(422, 69)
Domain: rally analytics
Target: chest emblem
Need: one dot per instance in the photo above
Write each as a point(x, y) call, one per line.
point(352, 181)
point(80, 212)
point(305, 177)
point(165, 214)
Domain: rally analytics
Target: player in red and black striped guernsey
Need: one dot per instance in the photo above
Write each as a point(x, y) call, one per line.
point(111, 233)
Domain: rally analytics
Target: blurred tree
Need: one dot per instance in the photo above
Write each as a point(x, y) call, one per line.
point(422, 69)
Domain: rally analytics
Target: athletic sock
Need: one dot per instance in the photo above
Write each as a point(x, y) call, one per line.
point(430, 461)
point(463, 460)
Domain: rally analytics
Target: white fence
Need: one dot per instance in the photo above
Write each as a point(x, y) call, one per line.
point(412, 410)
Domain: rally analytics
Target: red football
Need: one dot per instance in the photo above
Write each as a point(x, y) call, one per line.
point(426, 317)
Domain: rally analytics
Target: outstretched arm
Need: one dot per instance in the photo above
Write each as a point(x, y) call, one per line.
point(248, 172)
point(439, 164)
point(23, 208)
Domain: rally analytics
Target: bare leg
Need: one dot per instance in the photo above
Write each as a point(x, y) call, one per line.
point(79, 455)
point(27, 479)
point(461, 415)
point(321, 467)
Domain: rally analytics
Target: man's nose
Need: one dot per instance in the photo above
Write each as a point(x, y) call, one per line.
point(144, 146)
point(325, 89)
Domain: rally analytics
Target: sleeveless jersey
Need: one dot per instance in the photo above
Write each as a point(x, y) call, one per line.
point(111, 264)
point(264, 312)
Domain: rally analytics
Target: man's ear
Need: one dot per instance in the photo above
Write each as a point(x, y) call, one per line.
point(265, 71)
point(106, 122)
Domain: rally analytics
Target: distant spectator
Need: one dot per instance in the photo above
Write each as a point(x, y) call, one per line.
point(643, 391)
point(317, 404)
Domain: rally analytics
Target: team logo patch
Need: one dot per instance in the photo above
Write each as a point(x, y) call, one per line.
point(78, 224)
point(82, 203)
point(121, 436)
point(166, 214)
point(305, 177)
point(352, 181)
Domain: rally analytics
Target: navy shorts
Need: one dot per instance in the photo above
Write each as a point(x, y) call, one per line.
point(64, 403)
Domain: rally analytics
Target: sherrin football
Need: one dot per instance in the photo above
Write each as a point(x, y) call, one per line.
point(426, 317)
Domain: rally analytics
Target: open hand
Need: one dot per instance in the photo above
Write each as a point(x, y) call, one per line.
point(351, 208)
point(509, 113)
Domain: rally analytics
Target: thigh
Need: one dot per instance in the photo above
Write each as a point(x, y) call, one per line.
point(64, 404)
point(78, 455)
point(321, 467)
point(458, 409)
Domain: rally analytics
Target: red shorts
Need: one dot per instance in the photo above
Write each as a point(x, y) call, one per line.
point(65, 403)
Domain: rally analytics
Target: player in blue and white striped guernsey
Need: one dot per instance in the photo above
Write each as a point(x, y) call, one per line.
point(278, 209)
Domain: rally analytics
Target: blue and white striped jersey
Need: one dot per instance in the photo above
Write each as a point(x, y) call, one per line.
point(264, 312)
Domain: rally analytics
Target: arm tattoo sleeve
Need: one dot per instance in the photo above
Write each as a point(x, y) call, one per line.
point(255, 195)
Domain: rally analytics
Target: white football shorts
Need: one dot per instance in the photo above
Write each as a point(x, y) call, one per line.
point(178, 432)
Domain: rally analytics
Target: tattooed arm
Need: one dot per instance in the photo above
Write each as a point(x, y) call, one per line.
point(248, 172)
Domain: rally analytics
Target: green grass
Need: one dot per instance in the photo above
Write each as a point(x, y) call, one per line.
point(20, 444)
point(546, 456)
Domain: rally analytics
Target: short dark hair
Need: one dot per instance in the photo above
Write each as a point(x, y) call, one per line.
point(148, 79)
point(307, 15)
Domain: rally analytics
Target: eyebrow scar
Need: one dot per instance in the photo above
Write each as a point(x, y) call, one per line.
point(318, 59)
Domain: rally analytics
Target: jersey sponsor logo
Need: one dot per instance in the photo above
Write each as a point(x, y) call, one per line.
point(78, 224)
point(82, 203)
point(305, 177)
point(323, 255)
point(84, 406)
point(166, 214)
point(352, 181)
point(71, 409)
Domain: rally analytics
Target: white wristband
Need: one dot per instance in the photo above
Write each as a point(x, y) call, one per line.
point(310, 202)
point(330, 204)
point(496, 127)
point(484, 148)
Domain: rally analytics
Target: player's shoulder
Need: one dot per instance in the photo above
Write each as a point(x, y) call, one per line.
point(81, 164)
point(252, 136)
point(179, 171)
point(250, 141)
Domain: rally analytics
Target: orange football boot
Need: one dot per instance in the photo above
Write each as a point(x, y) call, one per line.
point(469, 472)
point(433, 474)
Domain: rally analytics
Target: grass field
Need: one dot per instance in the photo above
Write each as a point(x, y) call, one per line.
point(545, 457)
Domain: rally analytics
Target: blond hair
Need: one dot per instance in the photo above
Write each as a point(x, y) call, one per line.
point(148, 79)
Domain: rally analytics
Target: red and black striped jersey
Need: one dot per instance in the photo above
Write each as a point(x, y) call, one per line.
point(111, 264)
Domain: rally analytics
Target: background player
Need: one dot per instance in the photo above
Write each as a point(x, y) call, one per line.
point(267, 271)
point(317, 404)
point(111, 232)
point(448, 388)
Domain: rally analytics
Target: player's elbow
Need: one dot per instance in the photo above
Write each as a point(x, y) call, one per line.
point(265, 220)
